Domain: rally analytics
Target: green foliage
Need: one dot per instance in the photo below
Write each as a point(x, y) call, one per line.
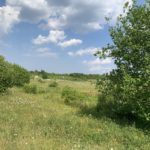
point(32, 89)
point(72, 96)
point(53, 84)
point(44, 74)
point(128, 86)
point(81, 76)
point(71, 76)
point(12, 75)
point(20, 75)
point(68, 94)
point(106, 102)
point(5, 75)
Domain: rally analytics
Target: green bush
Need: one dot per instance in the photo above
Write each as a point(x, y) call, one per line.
point(20, 75)
point(44, 74)
point(5, 75)
point(53, 84)
point(32, 89)
point(12, 75)
point(71, 96)
point(129, 98)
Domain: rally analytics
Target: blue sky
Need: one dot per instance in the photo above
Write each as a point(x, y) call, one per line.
point(57, 36)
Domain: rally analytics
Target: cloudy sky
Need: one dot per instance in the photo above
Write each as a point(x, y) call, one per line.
point(57, 35)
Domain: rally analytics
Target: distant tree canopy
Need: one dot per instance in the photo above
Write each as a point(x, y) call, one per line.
point(71, 76)
point(12, 75)
point(129, 84)
point(44, 74)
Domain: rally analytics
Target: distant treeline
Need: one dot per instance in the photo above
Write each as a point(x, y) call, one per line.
point(67, 76)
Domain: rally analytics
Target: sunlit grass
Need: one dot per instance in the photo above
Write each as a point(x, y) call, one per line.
point(43, 121)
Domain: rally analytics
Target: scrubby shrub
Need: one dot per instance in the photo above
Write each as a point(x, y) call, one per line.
point(72, 96)
point(5, 75)
point(53, 84)
point(128, 99)
point(44, 74)
point(32, 89)
point(69, 95)
point(20, 75)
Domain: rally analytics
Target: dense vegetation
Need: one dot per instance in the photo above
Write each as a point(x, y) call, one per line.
point(127, 88)
point(5, 75)
point(20, 75)
point(72, 76)
point(12, 75)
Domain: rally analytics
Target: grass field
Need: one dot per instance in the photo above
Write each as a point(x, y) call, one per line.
point(43, 121)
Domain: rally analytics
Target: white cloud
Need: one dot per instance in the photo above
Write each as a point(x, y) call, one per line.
point(9, 16)
point(45, 52)
point(86, 15)
point(99, 69)
point(31, 11)
point(87, 51)
point(99, 66)
point(72, 42)
point(98, 61)
point(56, 23)
point(54, 37)
point(83, 16)
point(94, 26)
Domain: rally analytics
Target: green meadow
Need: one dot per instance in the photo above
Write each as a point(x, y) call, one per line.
point(54, 95)
point(43, 121)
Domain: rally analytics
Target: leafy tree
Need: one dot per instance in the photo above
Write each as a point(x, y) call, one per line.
point(129, 84)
